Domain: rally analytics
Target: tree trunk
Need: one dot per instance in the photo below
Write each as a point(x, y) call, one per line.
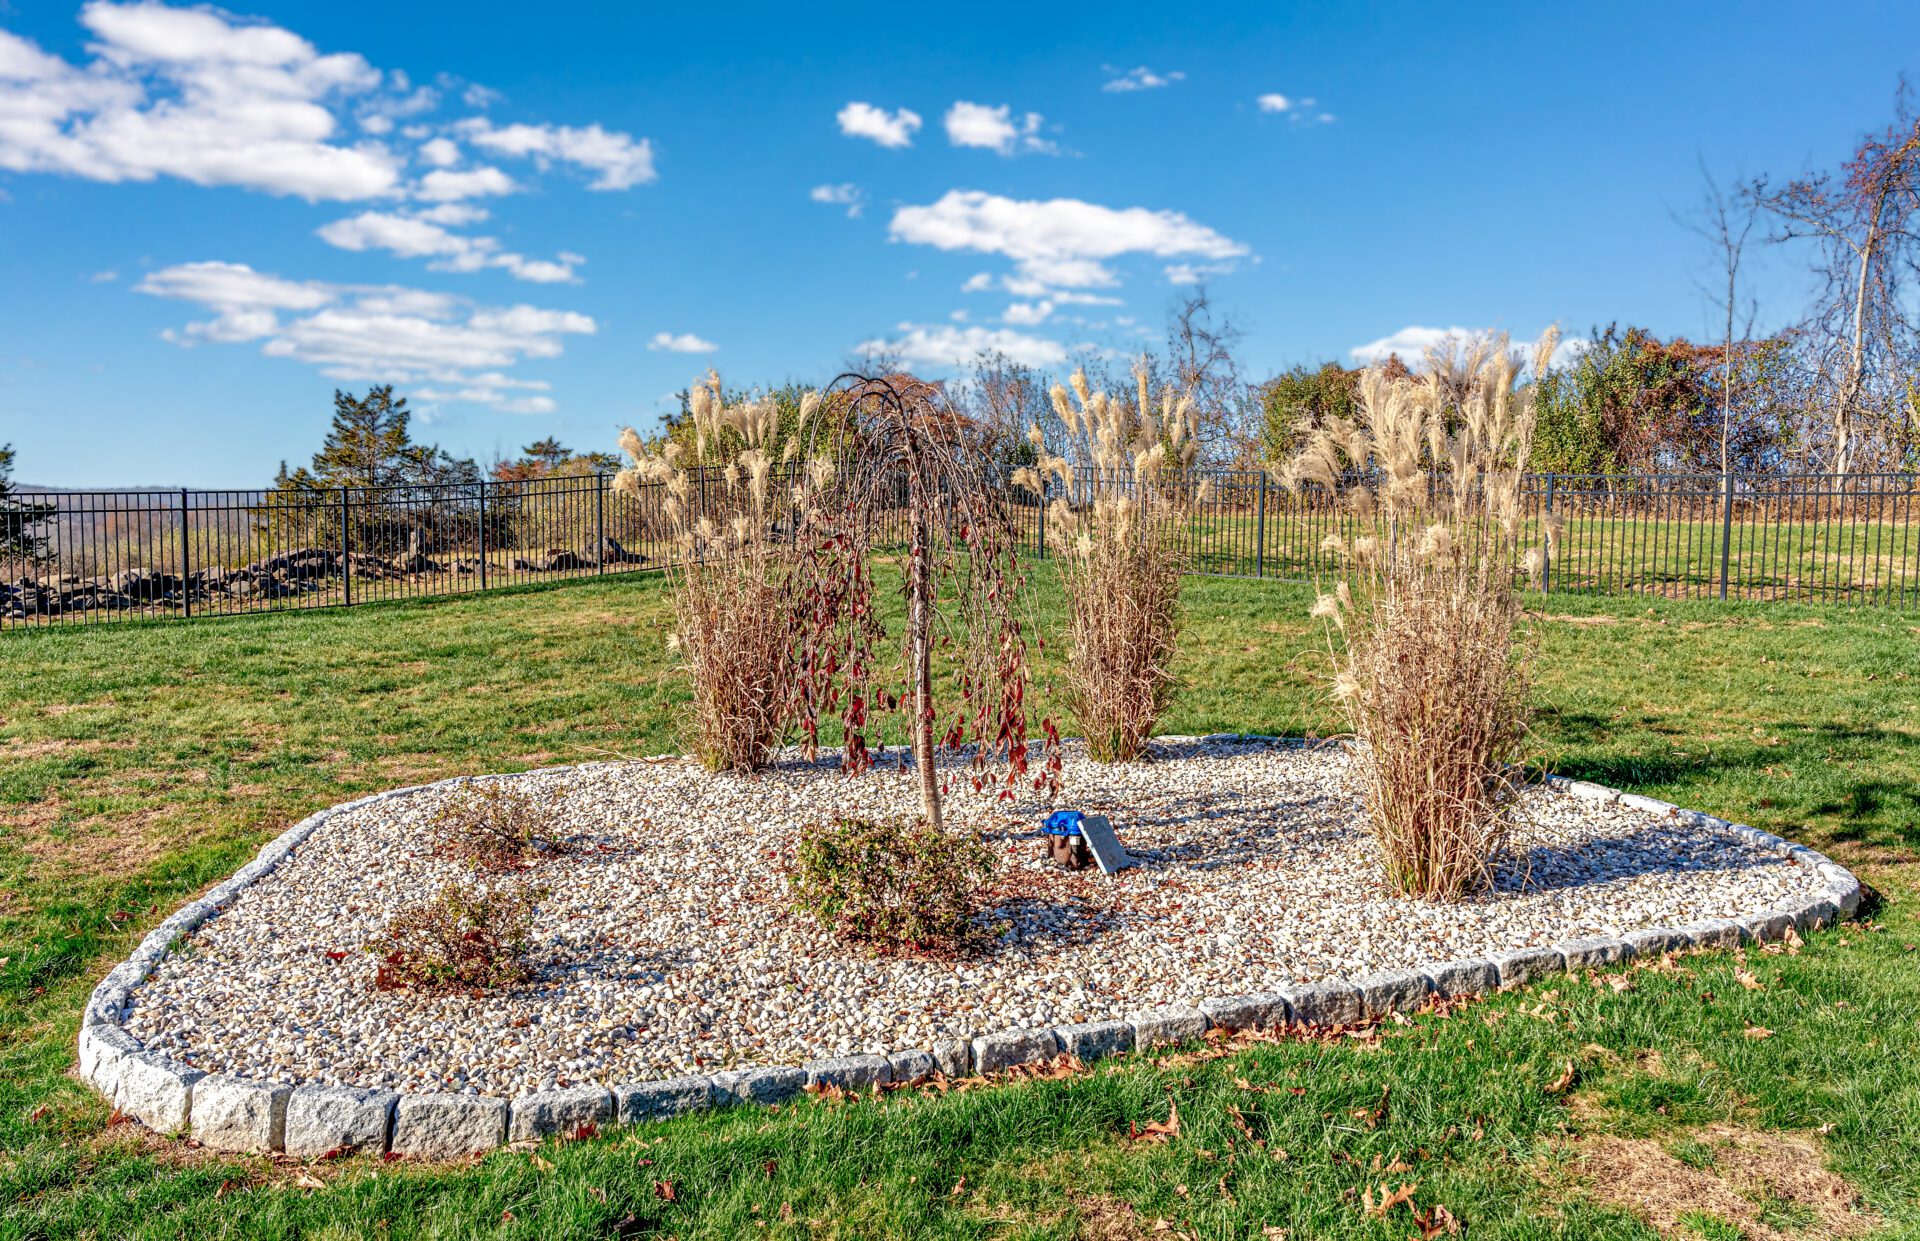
point(920, 623)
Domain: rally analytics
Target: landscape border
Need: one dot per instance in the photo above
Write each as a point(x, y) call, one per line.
point(233, 1113)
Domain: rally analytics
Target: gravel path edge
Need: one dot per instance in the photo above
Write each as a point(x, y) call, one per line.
point(227, 1112)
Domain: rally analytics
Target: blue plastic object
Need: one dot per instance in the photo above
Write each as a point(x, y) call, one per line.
point(1062, 823)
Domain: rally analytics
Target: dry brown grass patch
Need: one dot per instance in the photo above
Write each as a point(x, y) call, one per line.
point(1750, 1170)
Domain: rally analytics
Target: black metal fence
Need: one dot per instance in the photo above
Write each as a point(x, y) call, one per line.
point(95, 556)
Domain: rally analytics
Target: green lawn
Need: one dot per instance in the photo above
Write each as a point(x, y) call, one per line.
point(141, 762)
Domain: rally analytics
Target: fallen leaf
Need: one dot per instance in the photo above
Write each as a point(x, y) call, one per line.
point(1758, 1032)
point(665, 1191)
point(1746, 979)
point(1563, 1081)
point(1388, 1201)
point(307, 1180)
point(1157, 1130)
point(540, 1162)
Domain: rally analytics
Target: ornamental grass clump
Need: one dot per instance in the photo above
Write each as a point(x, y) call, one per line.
point(892, 888)
point(734, 581)
point(1123, 502)
point(1425, 630)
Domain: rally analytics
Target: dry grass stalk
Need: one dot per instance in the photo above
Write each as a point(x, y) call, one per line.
point(1121, 511)
point(734, 579)
point(1430, 664)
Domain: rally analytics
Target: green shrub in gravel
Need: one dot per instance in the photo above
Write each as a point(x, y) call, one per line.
point(464, 939)
point(890, 887)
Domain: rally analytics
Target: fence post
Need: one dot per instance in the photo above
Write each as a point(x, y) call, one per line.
point(1546, 537)
point(186, 561)
point(1726, 530)
point(481, 534)
point(599, 523)
point(346, 549)
point(1260, 531)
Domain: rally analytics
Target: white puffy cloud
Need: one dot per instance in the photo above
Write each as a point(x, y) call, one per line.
point(621, 160)
point(1409, 342)
point(1059, 242)
point(417, 236)
point(1300, 111)
point(381, 334)
point(440, 152)
point(846, 194)
point(683, 342)
point(994, 128)
point(946, 345)
point(192, 94)
point(889, 129)
point(1028, 314)
point(1140, 78)
point(445, 185)
point(1194, 273)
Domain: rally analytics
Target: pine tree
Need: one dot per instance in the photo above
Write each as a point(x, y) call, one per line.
point(18, 538)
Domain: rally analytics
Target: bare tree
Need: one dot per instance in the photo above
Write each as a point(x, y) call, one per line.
point(1200, 355)
point(1862, 221)
point(1725, 223)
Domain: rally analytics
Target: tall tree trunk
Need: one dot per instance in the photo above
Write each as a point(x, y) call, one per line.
point(1843, 420)
point(920, 623)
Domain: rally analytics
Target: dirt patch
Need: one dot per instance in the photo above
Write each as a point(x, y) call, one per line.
point(20, 749)
point(1107, 1219)
point(1772, 1186)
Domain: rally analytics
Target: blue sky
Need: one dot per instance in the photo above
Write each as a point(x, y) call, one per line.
point(544, 220)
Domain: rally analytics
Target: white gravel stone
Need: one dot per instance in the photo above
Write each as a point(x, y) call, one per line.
point(564, 1111)
point(993, 1052)
point(447, 1126)
point(1093, 1040)
point(641, 1101)
point(324, 1119)
point(238, 1114)
point(1161, 1026)
point(668, 945)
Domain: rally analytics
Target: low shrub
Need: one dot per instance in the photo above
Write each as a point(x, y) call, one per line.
point(494, 827)
point(464, 939)
point(1430, 656)
point(892, 888)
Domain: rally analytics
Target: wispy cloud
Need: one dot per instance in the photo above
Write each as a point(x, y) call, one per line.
point(996, 129)
point(371, 333)
point(681, 342)
point(944, 346)
point(1139, 78)
point(620, 161)
point(415, 236)
point(889, 129)
point(1298, 110)
point(1059, 242)
point(846, 194)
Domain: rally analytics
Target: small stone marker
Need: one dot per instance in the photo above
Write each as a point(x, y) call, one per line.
point(1107, 852)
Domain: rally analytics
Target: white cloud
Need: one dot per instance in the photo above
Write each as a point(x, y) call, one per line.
point(380, 334)
point(1027, 314)
point(445, 185)
point(454, 215)
point(621, 160)
point(948, 346)
point(846, 194)
point(1297, 110)
point(189, 93)
point(978, 282)
point(980, 125)
point(416, 236)
point(440, 152)
point(1194, 273)
point(684, 342)
point(1060, 242)
point(1409, 342)
point(889, 129)
point(1140, 78)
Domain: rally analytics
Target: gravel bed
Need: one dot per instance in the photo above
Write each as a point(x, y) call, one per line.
point(666, 944)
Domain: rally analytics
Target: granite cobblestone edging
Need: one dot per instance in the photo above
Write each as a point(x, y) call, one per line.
point(232, 1113)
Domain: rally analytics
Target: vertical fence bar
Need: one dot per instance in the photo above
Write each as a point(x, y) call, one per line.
point(1260, 531)
point(480, 533)
point(186, 565)
point(1043, 521)
point(599, 523)
point(1727, 527)
point(346, 551)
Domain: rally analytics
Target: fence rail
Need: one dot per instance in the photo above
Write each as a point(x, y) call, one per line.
point(88, 557)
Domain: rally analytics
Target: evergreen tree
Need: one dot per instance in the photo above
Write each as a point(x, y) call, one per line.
point(18, 539)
